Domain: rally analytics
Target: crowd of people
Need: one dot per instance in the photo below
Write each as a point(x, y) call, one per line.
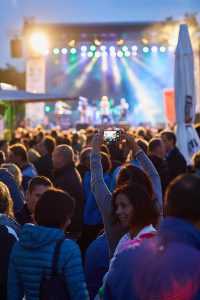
point(126, 215)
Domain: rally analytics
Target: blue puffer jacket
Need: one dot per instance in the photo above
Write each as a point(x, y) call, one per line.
point(33, 253)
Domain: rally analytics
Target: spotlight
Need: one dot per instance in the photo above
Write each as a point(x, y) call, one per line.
point(39, 43)
point(56, 51)
point(119, 53)
point(64, 51)
point(103, 48)
point(127, 53)
point(83, 54)
point(83, 48)
point(134, 48)
point(73, 50)
point(162, 49)
point(93, 48)
point(97, 54)
point(90, 54)
point(113, 54)
point(145, 49)
point(112, 49)
point(104, 54)
point(124, 48)
point(134, 53)
point(154, 49)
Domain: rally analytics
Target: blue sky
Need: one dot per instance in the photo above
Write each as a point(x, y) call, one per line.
point(12, 13)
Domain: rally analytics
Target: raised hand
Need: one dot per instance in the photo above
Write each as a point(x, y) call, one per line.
point(97, 141)
point(130, 140)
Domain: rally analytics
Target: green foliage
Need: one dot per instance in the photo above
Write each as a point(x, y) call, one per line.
point(11, 76)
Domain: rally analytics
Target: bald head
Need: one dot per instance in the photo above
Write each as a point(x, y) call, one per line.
point(62, 155)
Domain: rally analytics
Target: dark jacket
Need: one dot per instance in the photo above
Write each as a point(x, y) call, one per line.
point(176, 162)
point(44, 165)
point(163, 171)
point(23, 216)
point(164, 267)
point(7, 240)
point(68, 179)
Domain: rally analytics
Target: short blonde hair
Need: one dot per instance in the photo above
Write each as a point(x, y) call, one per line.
point(6, 203)
point(33, 155)
point(15, 171)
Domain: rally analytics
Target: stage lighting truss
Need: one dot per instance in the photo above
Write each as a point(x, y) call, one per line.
point(112, 50)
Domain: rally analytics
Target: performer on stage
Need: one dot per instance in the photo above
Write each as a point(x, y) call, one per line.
point(82, 108)
point(124, 106)
point(105, 109)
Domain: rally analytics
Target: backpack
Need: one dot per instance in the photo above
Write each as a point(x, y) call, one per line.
point(53, 286)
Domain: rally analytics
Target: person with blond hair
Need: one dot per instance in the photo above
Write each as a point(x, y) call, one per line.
point(6, 209)
point(9, 230)
point(18, 155)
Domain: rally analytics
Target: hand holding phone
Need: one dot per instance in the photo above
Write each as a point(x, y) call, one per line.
point(111, 136)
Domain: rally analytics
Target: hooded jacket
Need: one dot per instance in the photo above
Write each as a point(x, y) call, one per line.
point(33, 254)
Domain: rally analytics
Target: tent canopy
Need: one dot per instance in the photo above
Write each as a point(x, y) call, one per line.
point(22, 97)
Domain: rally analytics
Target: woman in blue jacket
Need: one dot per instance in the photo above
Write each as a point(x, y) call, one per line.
point(33, 253)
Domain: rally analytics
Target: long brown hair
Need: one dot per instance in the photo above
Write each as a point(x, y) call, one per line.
point(132, 174)
point(145, 211)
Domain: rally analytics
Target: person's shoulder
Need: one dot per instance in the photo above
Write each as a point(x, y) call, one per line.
point(70, 245)
point(7, 233)
point(99, 242)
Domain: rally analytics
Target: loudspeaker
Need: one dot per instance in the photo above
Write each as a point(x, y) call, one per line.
point(81, 126)
point(16, 48)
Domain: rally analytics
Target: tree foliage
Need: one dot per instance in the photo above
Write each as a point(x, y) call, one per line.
point(11, 76)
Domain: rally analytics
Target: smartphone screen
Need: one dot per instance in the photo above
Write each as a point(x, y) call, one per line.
point(111, 136)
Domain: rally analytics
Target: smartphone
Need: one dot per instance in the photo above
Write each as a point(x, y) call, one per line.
point(111, 136)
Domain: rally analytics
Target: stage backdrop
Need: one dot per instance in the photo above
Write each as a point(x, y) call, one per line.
point(140, 77)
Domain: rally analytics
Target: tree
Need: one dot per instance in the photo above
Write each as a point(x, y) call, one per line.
point(11, 76)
